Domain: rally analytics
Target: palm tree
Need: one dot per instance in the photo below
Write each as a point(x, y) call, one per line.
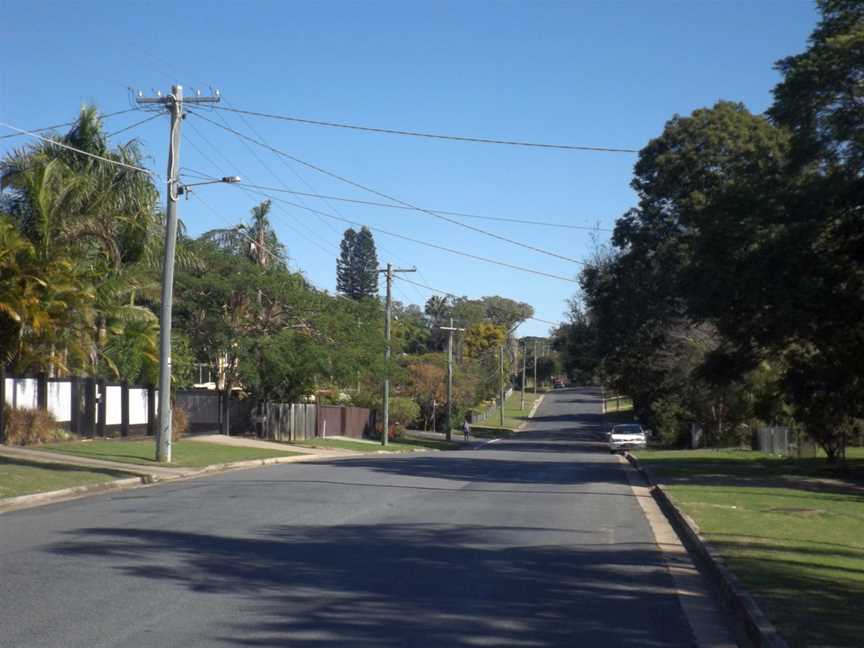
point(93, 225)
point(257, 240)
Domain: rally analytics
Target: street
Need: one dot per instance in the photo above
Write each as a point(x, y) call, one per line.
point(534, 541)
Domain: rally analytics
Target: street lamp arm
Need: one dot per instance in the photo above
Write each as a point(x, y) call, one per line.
point(183, 188)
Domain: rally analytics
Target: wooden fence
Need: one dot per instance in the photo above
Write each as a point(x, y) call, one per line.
point(285, 421)
point(354, 422)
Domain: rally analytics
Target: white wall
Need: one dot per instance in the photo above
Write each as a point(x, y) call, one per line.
point(137, 406)
point(25, 393)
point(113, 410)
point(9, 387)
point(60, 400)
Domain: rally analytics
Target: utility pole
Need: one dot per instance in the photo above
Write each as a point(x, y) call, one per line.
point(524, 354)
point(535, 367)
point(450, 330)
point(389, 272)
point(501, 382)
point(174, 102)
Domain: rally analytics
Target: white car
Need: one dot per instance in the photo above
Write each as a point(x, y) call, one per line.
point(627, 435)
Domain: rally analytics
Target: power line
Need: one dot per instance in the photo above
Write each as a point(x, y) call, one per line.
point(275, 254)
point(136, 124)
point(72, 123)
point(331, 208)
point(425, 243)
point(455, 138)
point(455, 296)
point(247, 192)
point(76, 150)
point(266, 166)
point(372, 203)
point(387, 197)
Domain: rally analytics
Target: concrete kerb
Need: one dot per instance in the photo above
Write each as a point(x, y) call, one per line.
point(142, 477)
point(531, 412)
point(50, 497)
point(747, 613)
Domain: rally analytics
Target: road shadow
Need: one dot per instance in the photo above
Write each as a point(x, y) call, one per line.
point(402, 585)
point(490, 467)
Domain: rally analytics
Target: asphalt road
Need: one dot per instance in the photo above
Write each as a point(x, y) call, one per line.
point(534, 542)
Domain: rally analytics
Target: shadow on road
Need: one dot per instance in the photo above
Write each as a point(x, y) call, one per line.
point(404, 585)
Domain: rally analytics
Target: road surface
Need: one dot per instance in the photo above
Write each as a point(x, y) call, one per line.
point(537, 541)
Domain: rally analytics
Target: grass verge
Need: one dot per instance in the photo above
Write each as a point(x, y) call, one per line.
point(619, 404)
point(22, 478)
point(405, 445)
point(514, 415)
point(791, 529)
point(185, 454)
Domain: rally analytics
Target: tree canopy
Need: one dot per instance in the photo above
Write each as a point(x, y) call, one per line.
point(357, 265)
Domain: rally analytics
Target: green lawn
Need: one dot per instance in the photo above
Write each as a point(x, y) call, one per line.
point(791, 529)
point(187, 454)
point(514, 416)
point(21, 478)
point(404, 445)
point(621, 404)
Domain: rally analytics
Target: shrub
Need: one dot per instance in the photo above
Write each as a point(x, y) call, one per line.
point(179, 423)
point(32, 426)
point(403, 411)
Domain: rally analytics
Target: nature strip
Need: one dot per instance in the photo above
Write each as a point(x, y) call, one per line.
point(747, 613)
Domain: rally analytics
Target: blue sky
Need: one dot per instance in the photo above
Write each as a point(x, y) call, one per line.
point(589, 73)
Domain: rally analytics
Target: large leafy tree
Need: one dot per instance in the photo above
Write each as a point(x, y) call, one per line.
point(357, 265)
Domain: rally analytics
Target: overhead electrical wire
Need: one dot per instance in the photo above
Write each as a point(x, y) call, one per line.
point(192, 143)
point(272, 252)
point(455, 296)
point(71, 123)
point(385, 196)
point(424, 243)
point(454, 138)
point(77, 150)
point(267, 166)
point(331, 208)
point(372, 203)
point(195, 174)
point(136, 124)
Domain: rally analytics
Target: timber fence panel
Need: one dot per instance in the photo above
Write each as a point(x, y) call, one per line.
point(202, 409)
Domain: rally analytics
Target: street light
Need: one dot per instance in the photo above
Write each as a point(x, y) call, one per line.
point(184, 188)
point(175, 188)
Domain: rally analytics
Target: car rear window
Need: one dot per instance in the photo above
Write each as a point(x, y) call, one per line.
point(627, 429)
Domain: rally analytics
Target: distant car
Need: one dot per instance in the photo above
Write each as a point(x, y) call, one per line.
point(627, 435)
point(558, 385)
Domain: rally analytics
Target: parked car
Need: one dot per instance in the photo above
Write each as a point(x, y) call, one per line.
point(627, 435)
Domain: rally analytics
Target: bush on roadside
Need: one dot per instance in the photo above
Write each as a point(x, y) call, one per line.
point(26, 427)
point(179, 423)
point(403, 411)
point(670, 423)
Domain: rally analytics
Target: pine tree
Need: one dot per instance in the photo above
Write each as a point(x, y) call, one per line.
point(357, 265)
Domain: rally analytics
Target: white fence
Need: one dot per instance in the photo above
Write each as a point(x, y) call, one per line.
point(86, 406)
point(60, 400)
